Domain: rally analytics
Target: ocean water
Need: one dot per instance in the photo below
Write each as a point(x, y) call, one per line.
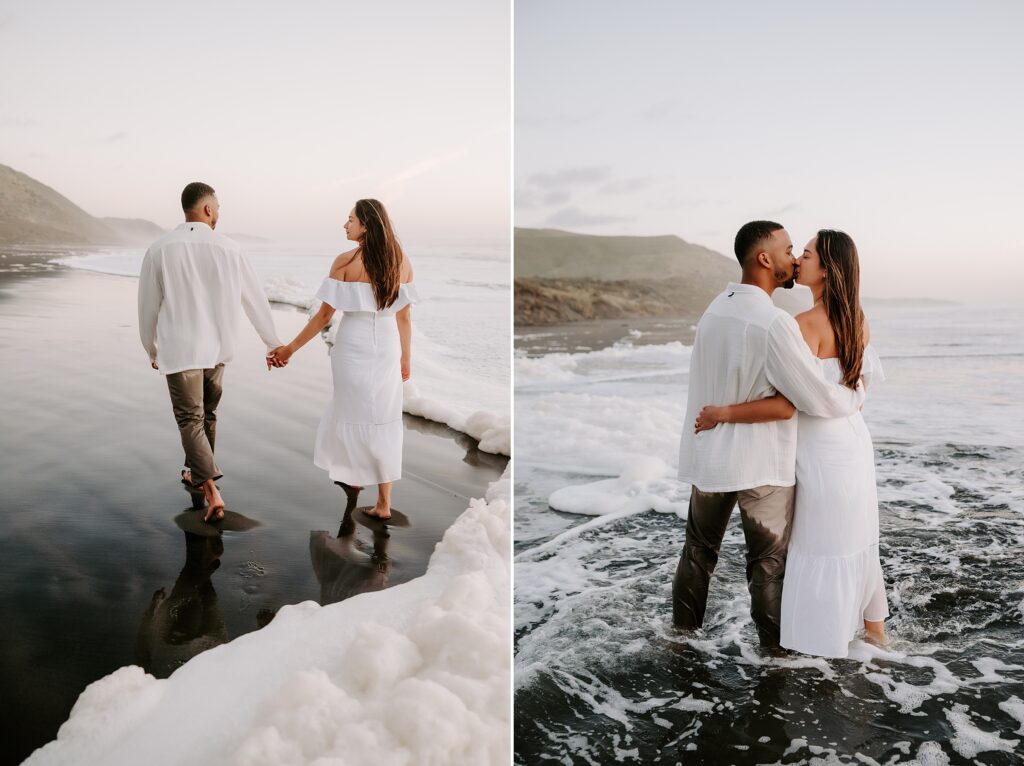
point(461, 327)
point(601, 677)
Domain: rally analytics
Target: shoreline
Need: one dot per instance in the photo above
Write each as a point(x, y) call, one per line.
point(597, 334)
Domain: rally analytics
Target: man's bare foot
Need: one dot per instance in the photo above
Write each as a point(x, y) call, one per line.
point(379, 512)
point(215, 512)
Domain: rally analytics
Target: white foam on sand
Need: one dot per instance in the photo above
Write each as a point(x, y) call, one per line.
point(288, 291)
point(646, 484)
point(1014, 707)
point(445, 395)
point(969, 740)
point(575, 415)
point(415, 674)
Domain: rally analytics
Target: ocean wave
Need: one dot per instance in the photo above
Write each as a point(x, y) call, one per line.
point(289, 292)
point(476, 283)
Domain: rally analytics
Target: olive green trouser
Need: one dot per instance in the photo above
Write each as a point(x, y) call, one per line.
point(195, 395)
point(766, 513)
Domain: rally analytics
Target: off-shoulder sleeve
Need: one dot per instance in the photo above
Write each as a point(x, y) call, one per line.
point(346, 296)
point(407, 295)
point(871, 367)
point(358, 296)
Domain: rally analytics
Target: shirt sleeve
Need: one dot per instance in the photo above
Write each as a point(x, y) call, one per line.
point(256, 305)
point(791, 368)
point(151, 296)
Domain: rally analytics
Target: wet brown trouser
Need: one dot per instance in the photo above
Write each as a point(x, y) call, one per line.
point(195, 395)
point(766, 513)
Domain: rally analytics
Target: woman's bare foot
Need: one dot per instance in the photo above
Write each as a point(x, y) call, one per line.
point(874, 633)
point(215, 512)
point(379, 512)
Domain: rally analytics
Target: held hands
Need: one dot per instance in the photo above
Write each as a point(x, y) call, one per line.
point(406, 368)
point(279, 357)
point(708, 418)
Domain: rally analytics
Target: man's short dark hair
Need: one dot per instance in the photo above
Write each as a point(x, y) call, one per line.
point(194, 192)
point(750, 236)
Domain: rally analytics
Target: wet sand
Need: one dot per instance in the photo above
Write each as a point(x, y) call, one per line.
point(97, 572)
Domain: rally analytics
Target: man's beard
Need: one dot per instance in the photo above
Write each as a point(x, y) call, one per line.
point(788, 284)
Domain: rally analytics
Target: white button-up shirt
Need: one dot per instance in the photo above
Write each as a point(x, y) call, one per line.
point(747, 348)
point(192, 283)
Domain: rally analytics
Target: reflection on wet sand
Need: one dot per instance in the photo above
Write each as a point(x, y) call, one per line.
point(343, 565)
point(473, 457)
point(180, 625)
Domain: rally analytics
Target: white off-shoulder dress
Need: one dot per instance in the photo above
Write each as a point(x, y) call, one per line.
point(833, 574)
point(359, 440)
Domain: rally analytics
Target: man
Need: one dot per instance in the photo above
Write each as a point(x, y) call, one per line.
point(191, 285)
point(746, 348)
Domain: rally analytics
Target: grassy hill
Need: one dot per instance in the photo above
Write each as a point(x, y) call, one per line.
point(564, 277)
point(31, 213)
point(135, 230)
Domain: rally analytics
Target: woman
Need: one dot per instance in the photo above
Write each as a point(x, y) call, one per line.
point(833, 577)
point(359, 441)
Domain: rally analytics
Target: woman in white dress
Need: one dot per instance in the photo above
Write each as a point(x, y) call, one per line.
point(833, 580)
point(359, 441)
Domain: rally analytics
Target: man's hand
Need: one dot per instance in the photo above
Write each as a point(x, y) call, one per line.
point(153, 364)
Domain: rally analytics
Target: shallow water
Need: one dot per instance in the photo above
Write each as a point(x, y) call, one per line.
point(98, 572)
point(602, 677)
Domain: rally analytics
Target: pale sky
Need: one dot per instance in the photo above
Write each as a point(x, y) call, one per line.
point(900, 123)
point(291, 111)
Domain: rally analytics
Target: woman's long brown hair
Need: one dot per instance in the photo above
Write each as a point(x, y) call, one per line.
point(842, 300)
point(382, 254)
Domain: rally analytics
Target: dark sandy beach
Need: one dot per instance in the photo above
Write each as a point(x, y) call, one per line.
point(96, 572)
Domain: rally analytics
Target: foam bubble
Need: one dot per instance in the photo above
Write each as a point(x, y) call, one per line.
point(1014, 707)
point(969, 740)
point(645, 484)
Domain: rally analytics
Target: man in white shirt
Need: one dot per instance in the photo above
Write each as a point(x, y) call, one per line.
point(192, 283)
point(746, 348)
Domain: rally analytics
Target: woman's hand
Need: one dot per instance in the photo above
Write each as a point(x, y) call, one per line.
point(708, 418)
point(279, 356)
point(406, 368)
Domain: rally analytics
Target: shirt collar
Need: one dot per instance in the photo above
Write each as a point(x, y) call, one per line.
point(754, 290)
point(193, 224)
